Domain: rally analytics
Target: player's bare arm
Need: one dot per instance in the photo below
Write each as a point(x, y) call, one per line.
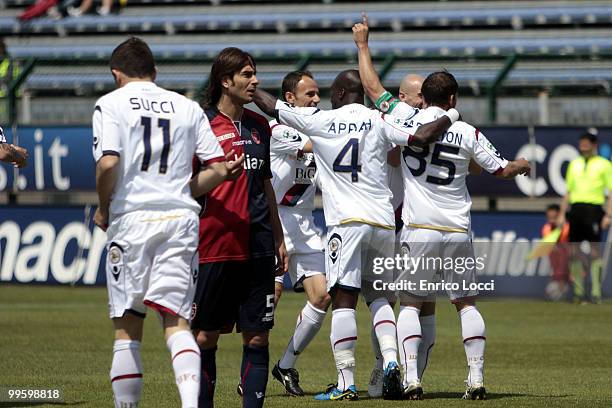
point(307, 147)
point(474, 168)
point(430, 132)
point(208, 178)
point(265, 101)
point(369, 78)
point(394, 156)
point(15, 155)
point(106, 178)
point(515, 168)
point(282, 258)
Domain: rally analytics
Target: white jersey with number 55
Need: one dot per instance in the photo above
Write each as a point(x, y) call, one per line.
point(350, 146)
point(155, 133)
point(435, 193)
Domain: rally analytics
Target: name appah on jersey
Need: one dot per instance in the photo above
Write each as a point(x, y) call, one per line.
point(436, 195)
point(155, 133)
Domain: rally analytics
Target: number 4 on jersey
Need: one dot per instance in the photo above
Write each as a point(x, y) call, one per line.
point(354, 167)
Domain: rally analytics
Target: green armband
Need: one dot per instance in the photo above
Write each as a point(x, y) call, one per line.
point(386, 102)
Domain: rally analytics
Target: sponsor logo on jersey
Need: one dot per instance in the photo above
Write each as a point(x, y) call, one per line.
point(334, 246)
point(252, 163)
point(225, 137)
point(304, 175)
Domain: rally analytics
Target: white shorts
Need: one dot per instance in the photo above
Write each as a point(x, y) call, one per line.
point(441, 249)
point(350, 256)
point(303, 243)
point(152, 261)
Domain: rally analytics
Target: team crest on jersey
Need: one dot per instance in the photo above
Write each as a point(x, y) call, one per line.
point(291, 136)
point(115, 259)
point(255, 136)
point(334, 247)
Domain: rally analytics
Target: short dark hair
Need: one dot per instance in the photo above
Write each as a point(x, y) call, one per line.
point(229, 62)
point(438, 87)
point(588, 136)
point(291, 80)
point(134, 58)
point(553, 207)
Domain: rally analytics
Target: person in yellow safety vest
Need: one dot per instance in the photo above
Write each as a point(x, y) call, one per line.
point(9, 70)
point(587, 178)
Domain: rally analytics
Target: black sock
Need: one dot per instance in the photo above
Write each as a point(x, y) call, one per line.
point(208, 377)
point(254, 375)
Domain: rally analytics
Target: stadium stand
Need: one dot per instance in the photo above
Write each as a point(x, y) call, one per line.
point(545, 36)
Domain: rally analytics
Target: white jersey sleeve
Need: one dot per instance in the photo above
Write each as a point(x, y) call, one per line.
point(486, 155)
point(286, 140)
point(208, 149)
point(106, 134)
point(2, 138)
point(307, 120)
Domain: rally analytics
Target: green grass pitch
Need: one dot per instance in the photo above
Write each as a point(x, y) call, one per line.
point(538, 354)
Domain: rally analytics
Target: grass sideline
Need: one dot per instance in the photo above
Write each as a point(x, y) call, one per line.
point(538, 354)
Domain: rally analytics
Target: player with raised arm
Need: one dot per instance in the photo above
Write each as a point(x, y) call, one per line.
point(408, 103)
point(293, 168)
point(240, 234)
point(351, 143)
point(144, 138)
point(436, 174)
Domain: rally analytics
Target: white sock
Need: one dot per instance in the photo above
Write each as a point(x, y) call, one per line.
point(428, 331)
point(126, 373)
point(376, 349)
point(343, 338)
point(186, 364)
point(473, 332)
point(308, 324)
point(409, 339)
point(383, 322)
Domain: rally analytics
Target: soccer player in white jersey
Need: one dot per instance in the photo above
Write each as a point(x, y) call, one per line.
point(293, 168)
point(351, 144)
point(144, 141)
point(436, 217)
point(405, 106)
point(10, 153)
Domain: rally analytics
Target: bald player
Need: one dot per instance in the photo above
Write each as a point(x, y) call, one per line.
point(350, 144)
point(408, 103)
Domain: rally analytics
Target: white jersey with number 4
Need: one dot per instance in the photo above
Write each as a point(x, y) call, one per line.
point(435, 195)
point(350, 145)
point(155, 133)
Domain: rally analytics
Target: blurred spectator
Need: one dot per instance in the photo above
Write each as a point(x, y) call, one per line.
point(85, 5)
point(37, 9)
point(559, 256)
point(9, 69)
point(588, 177)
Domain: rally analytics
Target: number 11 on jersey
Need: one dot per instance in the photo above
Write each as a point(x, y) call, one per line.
point(164, 124)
